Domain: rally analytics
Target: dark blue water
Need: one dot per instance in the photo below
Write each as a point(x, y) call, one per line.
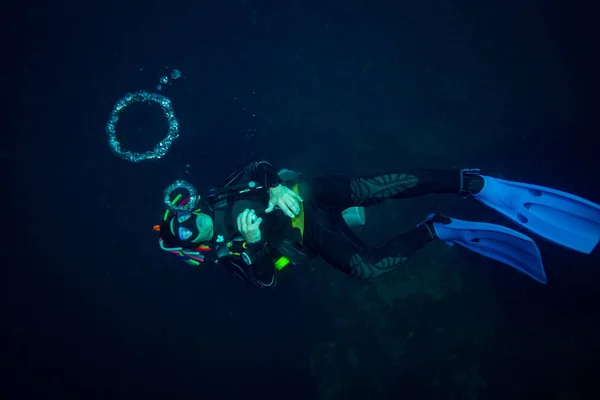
point(96, 310)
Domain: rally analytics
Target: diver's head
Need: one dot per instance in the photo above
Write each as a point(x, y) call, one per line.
point(185, 229)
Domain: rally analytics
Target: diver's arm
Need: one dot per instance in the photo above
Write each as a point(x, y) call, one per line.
point(261, 259)
point(238, 268)
point(260, 273)
point(264, 173)
point(264, 272)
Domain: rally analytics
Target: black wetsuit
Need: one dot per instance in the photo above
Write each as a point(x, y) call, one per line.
point(325, 232)
point(274, 228)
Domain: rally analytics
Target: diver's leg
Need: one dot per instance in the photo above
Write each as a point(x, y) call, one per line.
point(346, 191)
point(345, 252)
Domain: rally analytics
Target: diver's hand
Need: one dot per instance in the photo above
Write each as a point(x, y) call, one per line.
point(249, 226)
point(285, 199)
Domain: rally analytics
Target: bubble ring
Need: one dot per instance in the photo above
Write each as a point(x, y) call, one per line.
point(181, 184)
point(163, 146)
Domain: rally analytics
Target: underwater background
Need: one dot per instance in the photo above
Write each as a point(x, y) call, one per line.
point(96, 310)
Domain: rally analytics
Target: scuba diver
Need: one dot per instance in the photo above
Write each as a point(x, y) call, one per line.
point(262, 220)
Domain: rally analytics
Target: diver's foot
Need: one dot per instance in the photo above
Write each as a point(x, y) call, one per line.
point(429, 228)
point(471, 182)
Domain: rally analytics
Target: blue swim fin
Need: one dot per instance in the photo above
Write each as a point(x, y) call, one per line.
point(560, 217)
point(496, 242)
